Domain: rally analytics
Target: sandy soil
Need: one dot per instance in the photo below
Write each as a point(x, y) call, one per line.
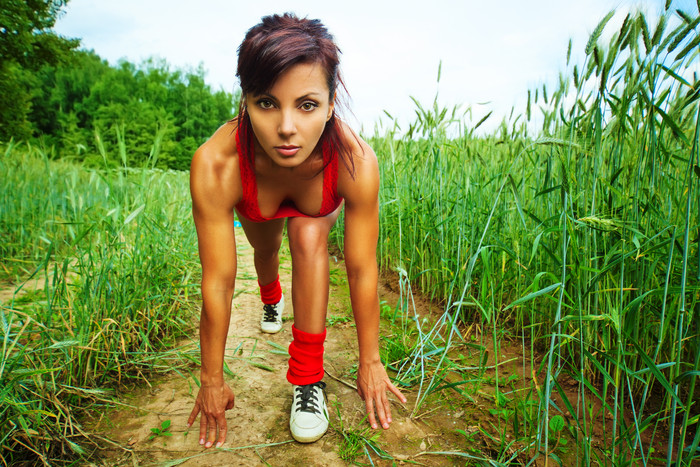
point(258, 430)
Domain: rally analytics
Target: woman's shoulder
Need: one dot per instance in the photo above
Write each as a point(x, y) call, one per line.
point(214, 165)
point(219, 151)
point(362, 155)
point(363, 169)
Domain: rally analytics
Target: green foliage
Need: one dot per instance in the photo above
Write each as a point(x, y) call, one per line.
point(332, 320)
point(25, 36)
point(74, 104)
point(115, 253)
point(15, 101)
point(26, 44)
point(358, 441)
point(157, 117)
point(582, 241)
point(162, 430)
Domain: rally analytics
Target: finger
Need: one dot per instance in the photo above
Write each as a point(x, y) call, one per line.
point(211, 436)
point(397, 392)
point(222, 431)
point(370, 412)
point(381, 410)
point(387, 408)
point(202, 428)
point(193, 415)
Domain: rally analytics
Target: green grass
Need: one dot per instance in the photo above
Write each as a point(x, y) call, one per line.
point(581, 240)
point(357, 441)
point(116, 254)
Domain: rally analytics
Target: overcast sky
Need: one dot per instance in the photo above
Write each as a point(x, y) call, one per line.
point(491, 52)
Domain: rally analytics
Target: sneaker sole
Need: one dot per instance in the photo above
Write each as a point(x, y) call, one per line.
point(308, 439)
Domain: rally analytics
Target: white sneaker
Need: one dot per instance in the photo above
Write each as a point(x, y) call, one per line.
point(309, 419)
point(271, 321)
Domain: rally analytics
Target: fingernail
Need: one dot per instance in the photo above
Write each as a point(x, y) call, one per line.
point(201, 441)
point(218, 445)
point(208, 444)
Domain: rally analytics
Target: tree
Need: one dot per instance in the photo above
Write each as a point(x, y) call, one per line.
point(26, 44)
point(142, 114)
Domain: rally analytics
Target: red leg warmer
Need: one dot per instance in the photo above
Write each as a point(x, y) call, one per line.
point(306, 357)
point(272, 292)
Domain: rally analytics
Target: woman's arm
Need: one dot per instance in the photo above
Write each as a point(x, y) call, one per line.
point(214, 195)
point(361, 234)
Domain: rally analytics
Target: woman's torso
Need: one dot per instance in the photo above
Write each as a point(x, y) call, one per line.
point(273, 192)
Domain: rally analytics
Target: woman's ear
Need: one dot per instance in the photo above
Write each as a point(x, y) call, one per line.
point(331, 108)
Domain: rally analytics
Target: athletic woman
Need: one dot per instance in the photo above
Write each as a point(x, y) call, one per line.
point(288, 156)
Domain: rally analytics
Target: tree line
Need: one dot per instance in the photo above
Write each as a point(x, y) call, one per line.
point(76, 105)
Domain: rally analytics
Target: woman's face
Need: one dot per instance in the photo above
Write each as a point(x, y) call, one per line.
point(289, 119)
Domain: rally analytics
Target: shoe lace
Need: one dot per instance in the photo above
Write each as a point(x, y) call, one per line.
point(270, 315)
point(307, 397)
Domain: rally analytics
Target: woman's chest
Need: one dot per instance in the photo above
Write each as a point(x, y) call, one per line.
point(304, 192)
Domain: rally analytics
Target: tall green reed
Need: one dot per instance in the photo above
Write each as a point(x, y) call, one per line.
point(115, 252)
point(579, 239)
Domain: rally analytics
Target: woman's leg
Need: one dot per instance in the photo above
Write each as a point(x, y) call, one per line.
point(266, 239)
point(308, 244)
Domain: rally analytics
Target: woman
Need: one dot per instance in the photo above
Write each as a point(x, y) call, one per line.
point(281, 160)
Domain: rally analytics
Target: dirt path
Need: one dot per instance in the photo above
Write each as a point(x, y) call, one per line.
point(258, 431)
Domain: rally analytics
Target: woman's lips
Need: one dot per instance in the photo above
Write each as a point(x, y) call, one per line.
point(287, 150)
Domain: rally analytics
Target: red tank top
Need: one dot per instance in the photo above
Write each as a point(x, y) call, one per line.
point(248, 206)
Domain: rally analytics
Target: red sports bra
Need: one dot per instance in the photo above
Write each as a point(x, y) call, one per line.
point(248, 206)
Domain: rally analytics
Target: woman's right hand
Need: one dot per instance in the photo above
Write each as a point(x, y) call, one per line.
point(212, 401)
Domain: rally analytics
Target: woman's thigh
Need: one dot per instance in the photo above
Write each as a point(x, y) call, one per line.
point(263, 236)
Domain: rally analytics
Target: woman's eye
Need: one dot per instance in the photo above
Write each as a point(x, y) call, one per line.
point(264, 104)
point(308, 106)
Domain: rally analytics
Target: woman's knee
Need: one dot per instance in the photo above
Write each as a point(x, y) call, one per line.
point(307, 238)
point(267, 252)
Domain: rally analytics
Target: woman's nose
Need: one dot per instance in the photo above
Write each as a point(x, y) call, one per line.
point(287, 126)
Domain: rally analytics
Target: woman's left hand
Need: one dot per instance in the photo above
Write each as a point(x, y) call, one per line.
point(372, 384)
